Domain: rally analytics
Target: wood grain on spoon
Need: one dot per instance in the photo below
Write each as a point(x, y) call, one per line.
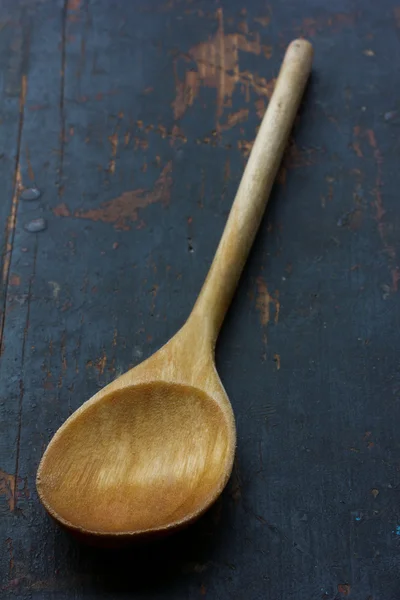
point(152, 450)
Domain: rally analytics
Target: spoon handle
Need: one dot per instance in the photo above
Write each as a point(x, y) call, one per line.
point(254, 189)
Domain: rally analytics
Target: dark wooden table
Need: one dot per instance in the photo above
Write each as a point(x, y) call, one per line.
point(134, 119)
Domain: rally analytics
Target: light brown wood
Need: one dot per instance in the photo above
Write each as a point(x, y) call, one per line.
point(152, 450)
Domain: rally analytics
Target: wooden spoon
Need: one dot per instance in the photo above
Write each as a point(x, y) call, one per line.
point(153, 449)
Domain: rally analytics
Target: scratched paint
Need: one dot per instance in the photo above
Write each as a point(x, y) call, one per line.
point(113, 139)
point(312, 26)
point(344, 589)
point(125, 208)
point(73, 7)
point(264, 301)
point(15, 280)
point(364, 140)
point(7, 488)
point(218, 66)
point(10, 224)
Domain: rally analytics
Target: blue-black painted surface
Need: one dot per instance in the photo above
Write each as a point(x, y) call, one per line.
point(134, 121)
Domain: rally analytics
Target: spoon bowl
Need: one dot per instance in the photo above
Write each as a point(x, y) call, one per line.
point(142, 458)
point(134, 433)
point(154, 449)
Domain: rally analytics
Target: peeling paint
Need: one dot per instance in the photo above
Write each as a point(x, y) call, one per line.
point(61, 210)
point(235, 118)
point(177, 135)
point(264, 21)
point(7, 488)
point(395, 278)
point(296, 157)
point(100, 364)
point(113, 139)
point(277, 360)
point(124, 209)
point(260, 107)
point(356, 143)
point(218, 67)
point(311, 26)
point(264, 301)
point(344, 589)
point(245, 146)
point(74, 4)
point(98, 97)
point(380, 210)
point(15, 280)
point(11, 223)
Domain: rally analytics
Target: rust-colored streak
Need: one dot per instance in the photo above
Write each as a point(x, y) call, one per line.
point(61, 210)
point(260, 107)
point(177, 135)
point(36, 107)
point(12, 217)
point(356, 143)
point(344, 589)
point(113, 139)
point(264, 301)
point(294, 157)
point(380, 211)
point(245, 146)
point(396, 14)
point(124, 209)
point(73, 7)
point(235, 118)
point(368, 137)
point(162, 130)
point(11, 223)
point(100, 364)
point(311, 26)
point(264, 21)
point(395, 278)
point(141, 143)
point(277, 359)
point(99, 96)
point(22, 99)
point(218, 67)
point(297, 158)
point(7, 488)
point(15, 280)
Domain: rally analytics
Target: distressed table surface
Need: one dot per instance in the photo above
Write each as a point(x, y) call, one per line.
point(135, 120)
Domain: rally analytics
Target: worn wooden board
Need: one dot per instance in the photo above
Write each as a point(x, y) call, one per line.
point(135, 119)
